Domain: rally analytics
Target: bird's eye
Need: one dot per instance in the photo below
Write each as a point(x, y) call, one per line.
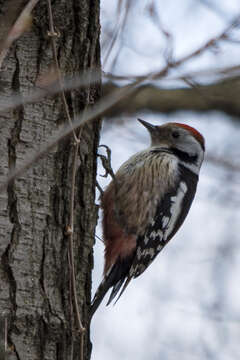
point(175, 134)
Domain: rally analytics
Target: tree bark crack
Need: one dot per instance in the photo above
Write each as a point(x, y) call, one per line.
point(7, 256)
point(41, 279)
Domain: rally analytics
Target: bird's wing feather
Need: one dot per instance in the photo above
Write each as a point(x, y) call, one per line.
point(170, 214)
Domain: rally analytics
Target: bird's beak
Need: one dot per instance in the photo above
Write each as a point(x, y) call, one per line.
point(147, 125)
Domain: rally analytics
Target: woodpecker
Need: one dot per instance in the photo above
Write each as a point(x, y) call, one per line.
point(147, 202)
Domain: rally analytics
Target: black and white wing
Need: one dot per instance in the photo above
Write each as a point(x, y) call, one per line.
point(171, 212)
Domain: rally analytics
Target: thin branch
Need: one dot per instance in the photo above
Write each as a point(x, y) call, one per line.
point(219, 95)
point(168, 51)
point(70, 233)
point(121, 24)
point(71, 309)
point(70, 229)
point(108, 102)
point(208, 45)
point(6, 334)
point(99, 238)
point(53, 34)
point(37, 94)
point(21, 24)
point(226, 71)
point(99, 188)
point(224, 35)
point(10, 11)
point(91, 114)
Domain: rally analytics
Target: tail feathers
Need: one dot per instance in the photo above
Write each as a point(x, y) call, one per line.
point(123, 288)
point(115, 290)
point(114, 278)
point(101, 291)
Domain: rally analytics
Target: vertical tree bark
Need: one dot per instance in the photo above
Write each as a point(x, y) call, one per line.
point(34, 211)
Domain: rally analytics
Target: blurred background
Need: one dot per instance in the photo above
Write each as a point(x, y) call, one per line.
point(186, 304)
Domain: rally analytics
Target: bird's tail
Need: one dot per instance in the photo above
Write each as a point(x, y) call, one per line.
point(115, 278)
point(100, 293)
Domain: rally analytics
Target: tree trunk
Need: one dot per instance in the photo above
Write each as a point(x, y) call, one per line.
point(34, 211)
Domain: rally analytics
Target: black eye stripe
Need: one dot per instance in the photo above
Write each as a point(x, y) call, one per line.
point(175, 134)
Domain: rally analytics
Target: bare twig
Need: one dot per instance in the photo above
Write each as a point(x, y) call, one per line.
point(111, 45)
point(71, 308)
point(108, 102)
point(121, 23)
point(86, 116)
point(99, 188)
point(10, 11)
point(70, 233)
point(168, 51)
point(21, 24)
point(37, 94)
point(226, 71)
point(105, 104)
point(5, 334)
point(70, 229)
point(53, 34)
point(224, 35)
point(208, 45)
point(99, 238)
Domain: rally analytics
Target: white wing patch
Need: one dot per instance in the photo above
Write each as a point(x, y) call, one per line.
point(175, 210)
point(165, 220)
point(155, 239)
point(153, 236)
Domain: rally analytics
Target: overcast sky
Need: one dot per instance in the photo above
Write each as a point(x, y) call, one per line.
point(186, 304)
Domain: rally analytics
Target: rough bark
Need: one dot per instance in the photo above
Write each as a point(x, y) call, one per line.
point(34, 211)
point(221, 96)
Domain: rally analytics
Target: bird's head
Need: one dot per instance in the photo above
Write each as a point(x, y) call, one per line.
point(179, 138)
